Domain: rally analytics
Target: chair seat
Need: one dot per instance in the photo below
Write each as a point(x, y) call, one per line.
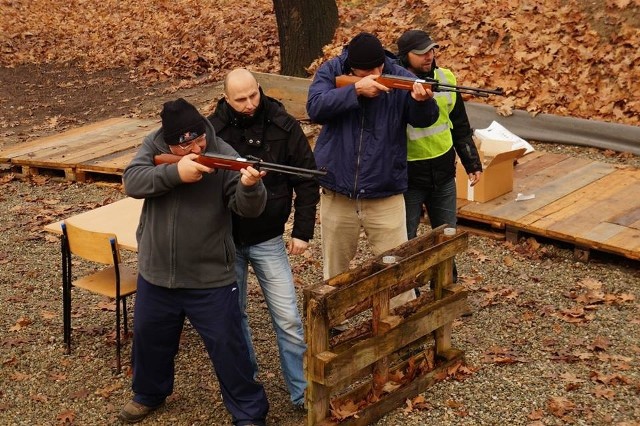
point(103, 282)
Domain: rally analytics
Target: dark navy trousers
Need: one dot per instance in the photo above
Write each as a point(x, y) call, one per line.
point(159, 316)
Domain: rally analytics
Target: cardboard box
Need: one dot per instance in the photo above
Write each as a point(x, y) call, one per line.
point(497, 176)
point(496, 139)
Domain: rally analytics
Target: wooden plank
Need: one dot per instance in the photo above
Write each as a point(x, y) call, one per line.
point(577, 222)
point(626, 242)
point(443, 278)
point(103, 148)
point(528, 157)
point(602, 193)
point(557, 188)
point(341, 301)
point(612, 238)
point(484, 212)
point(317, 395)
point(331, 369)
point(548, 172)
point(48, 141)
point(85, 147)
point(599, 234)
point(69, 141)
point(291, 91)
point(423, 242)
point(531, 164)
point(66, 155)
point(380, 312)
point(113, 164)
point(629, 217)
point(395, 399)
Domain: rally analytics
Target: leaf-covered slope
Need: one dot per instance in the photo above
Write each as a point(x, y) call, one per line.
point(552, 56)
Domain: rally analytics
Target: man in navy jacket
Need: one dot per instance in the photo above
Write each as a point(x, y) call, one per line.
point(363, 146)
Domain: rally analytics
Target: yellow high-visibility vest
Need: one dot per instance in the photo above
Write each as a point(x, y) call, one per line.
point(424, 143)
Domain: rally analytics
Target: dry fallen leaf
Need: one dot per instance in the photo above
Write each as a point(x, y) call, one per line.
point(66, 417)
point(535, 415)
point(600, 343)
point(390, 387)
point(106, 392)
point(603, 392)
point(344, 411)
point(559, 406)
point(20, 324)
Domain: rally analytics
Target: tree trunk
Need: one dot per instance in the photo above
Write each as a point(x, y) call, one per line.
point(304, 27)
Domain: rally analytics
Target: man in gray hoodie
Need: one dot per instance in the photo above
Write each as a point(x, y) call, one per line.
point(186, 259)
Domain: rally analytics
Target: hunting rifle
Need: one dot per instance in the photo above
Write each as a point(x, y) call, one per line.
point(406, 83)
point(228, 162)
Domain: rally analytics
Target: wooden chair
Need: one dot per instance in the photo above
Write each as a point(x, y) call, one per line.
point(116, 281)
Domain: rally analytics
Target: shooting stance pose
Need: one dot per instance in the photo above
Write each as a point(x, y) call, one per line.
point(186, 264)
point(431, 151)
point(363, 147)
point(258, 126)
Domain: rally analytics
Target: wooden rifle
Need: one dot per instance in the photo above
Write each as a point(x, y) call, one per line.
point(406, 83)
point(228, 162)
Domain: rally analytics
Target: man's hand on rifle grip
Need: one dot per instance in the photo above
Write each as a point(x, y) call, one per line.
point(369, 87)
point(419, 93)
point(251, 176)
point(189, 170)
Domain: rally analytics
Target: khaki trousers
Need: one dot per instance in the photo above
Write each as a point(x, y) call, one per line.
point(341, 218)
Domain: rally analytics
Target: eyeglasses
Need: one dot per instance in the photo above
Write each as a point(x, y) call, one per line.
point(188, 139)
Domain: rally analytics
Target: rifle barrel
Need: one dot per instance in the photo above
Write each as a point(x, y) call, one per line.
point(464, 89)
point(282, 168)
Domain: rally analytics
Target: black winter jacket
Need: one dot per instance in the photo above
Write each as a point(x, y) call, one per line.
point(274, 136)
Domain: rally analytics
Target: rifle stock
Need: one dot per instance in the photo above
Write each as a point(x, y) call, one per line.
point(227, 162)
point(406, 83)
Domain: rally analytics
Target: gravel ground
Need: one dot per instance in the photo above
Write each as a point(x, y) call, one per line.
point(551, 341)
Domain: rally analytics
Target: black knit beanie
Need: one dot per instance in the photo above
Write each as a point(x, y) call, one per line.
point(365, 52)
point(178, 118)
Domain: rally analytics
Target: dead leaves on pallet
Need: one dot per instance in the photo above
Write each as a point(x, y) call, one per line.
point(417, 366)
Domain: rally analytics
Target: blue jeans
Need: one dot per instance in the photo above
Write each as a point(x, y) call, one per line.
point(441, 209)
point(270, 263)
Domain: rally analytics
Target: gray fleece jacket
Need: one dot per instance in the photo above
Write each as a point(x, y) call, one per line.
point(184, 235)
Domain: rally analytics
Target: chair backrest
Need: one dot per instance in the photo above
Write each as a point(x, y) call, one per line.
point(101, 247)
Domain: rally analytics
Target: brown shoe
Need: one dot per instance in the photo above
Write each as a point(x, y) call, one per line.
point(133, 412)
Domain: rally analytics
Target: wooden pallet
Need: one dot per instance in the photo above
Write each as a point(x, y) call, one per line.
point(104, 148)
point(355, 371)
point(592, 205)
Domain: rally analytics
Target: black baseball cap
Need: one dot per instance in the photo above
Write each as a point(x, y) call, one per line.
point(415, 41)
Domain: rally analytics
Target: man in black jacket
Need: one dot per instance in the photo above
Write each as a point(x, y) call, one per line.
point(255, 124)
